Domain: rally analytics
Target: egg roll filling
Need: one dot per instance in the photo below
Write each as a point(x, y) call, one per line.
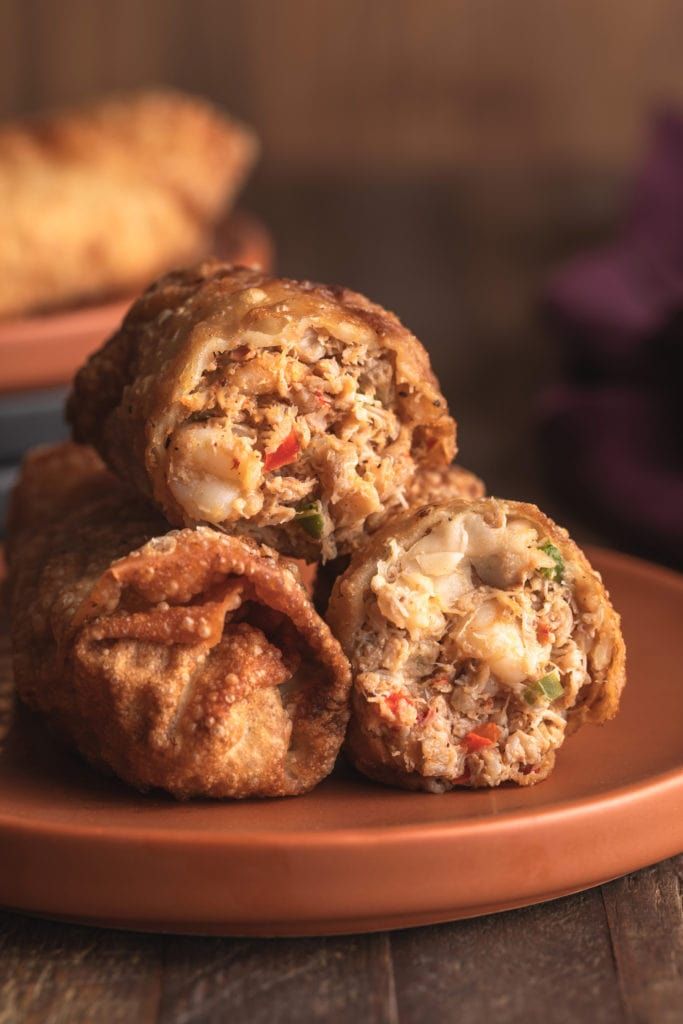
point(474, 648)
point(294, 422)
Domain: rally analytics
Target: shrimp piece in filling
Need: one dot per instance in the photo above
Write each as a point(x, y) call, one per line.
point(479, 638)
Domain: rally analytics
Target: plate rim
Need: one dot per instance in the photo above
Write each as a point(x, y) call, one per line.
point(612, 800)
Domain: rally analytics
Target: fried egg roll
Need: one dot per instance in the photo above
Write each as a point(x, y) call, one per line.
point(99, 200)
point(187, 660)
point(479, 637)
point(287, 411)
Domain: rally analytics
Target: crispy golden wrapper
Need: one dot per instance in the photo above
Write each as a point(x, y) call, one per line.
point(479, 637)
point(288, 411)
point(186, 660)
point(436, 486)
point(428, 487)
point(101, 199)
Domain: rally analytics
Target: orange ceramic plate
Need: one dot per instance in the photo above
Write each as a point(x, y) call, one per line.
point(40, 351)
point(353, 856)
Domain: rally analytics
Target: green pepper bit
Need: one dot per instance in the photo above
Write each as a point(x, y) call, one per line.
point(557, 573)
point(310, 518)
point(548, 686)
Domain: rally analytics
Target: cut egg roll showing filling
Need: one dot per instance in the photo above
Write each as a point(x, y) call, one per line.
point(284, 410)
point(187, 660)
point(479, 637)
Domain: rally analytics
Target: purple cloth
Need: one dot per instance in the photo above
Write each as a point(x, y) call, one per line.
point(613, 432)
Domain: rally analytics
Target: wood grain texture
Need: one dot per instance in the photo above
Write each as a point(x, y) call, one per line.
point(208, 981)
point(391, 86)
point(646, 924)
point(546, 963)
point(571, 960)
point(62, 974)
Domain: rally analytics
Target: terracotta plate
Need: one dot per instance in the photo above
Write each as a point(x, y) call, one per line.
point(353, 856)
point(39, 351)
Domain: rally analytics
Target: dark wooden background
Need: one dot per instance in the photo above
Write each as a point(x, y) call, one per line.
point(385, 87)
point(443, 157)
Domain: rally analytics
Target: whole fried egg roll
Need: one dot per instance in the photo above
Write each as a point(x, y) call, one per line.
point(187, 660)
point(479, 637)
point(98, 200)
point(288, 411)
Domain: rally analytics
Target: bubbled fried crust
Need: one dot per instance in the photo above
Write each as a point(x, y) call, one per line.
point(101, 198)
point(138, 387)
point(123, 637)
point(428, 486)
point(51, 486)
point(435, 486)
point(599, 701)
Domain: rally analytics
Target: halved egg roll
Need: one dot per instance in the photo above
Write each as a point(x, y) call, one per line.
point(186, 660)
point(479, 637)
point(288, 411)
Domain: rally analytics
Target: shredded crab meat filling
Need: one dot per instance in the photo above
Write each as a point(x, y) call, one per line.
point(474, 650)
point(286, 415)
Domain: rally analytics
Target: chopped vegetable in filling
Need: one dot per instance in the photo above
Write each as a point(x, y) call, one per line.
point(474, 649)
point(290, 419)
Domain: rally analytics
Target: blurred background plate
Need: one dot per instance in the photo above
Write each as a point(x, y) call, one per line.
point(41, 351)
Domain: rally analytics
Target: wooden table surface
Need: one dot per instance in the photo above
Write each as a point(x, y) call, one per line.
point(463, 263)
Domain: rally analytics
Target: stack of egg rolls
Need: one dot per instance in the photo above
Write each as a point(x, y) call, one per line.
point(265, 418)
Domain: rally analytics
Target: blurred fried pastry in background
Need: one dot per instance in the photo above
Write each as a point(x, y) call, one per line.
point(98, 200)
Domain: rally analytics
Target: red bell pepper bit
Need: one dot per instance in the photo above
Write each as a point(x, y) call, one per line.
point(484, 736)
point(393, 702)
point(284, 453)
point(543, 632)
